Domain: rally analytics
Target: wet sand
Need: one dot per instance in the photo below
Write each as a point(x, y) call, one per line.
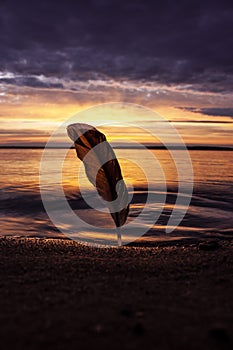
point(57, 294)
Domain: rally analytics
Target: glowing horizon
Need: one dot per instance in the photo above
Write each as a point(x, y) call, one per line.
point(29, 115)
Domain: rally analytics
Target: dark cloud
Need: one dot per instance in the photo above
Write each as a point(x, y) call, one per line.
point(203, 121)
point(168, 41)
point(213, 112)
point(33, 82)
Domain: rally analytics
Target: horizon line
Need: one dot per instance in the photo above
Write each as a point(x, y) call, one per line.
point(153, 147)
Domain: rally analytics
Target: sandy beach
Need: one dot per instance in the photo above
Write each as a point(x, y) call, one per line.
point(58, 294)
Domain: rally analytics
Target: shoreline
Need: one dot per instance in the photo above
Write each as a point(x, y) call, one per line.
point(147, 241)
point(57, 293)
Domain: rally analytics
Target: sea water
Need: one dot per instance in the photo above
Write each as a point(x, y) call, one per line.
point(209, 214)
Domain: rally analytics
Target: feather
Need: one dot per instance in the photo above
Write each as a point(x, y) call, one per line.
point(102, 170)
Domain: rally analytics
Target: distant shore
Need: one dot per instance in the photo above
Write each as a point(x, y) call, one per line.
point(59, 294)
point(153, 147)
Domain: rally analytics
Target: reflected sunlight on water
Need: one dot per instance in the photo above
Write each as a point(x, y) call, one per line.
point(210, 212)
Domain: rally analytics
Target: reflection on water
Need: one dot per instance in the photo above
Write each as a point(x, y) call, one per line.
point(210, 212)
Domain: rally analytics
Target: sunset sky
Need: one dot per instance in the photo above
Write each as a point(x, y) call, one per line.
point(174, 57)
